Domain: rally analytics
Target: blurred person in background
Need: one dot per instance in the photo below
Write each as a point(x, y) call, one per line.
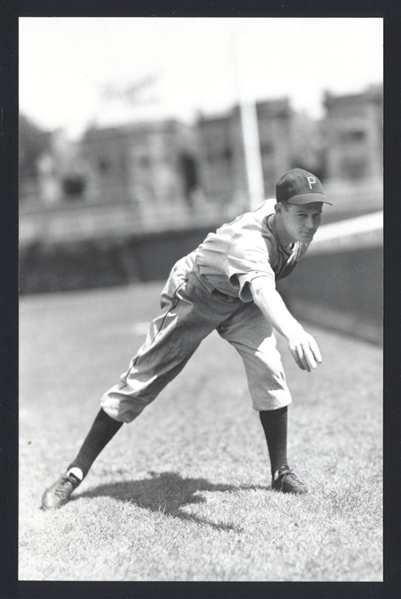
point(227, 284)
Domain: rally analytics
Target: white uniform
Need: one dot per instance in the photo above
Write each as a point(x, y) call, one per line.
point(209, 290)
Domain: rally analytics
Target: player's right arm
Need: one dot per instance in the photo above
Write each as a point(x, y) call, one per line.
point(302, 346)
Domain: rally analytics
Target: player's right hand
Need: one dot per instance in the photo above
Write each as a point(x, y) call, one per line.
point(305, 350)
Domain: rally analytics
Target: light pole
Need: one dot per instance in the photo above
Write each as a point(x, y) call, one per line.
point(249, 125)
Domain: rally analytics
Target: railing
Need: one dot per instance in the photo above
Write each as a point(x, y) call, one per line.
point(97, 221)
point(114, 219)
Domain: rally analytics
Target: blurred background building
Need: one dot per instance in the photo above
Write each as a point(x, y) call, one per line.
point(353, 130)
point(172, 174)
point(150, 166)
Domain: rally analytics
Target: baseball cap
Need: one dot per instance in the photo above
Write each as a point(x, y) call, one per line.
point(300, 187)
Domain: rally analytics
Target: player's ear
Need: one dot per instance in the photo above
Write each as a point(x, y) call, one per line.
point(278, 208)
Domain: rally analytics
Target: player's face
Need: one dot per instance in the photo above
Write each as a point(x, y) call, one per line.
point(301, 222)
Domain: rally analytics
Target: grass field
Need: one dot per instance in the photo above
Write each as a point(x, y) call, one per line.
point(183, 493)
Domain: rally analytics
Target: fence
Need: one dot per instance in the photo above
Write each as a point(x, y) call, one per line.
point(117, 220)
point(74, 222)
point(339, 283)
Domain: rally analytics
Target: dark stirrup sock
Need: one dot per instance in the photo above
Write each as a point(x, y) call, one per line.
point(274, 424)
point(103, 430)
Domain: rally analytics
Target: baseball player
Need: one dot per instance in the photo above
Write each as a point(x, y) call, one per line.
point(227, 284)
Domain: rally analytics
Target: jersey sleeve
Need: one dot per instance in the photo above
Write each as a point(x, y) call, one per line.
point(248, 257)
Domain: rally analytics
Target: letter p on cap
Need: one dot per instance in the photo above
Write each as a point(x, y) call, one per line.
point(311, 181)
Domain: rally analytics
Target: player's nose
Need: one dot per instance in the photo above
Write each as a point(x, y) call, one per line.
point(311, 225)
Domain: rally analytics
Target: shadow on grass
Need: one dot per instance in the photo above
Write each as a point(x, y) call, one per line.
point(167, 492)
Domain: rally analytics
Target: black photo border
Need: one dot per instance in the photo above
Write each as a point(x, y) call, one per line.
point(10, 587)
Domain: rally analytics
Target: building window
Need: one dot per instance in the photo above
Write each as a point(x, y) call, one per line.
point(354, 168)
point(144, 161)
point(217, 154)
point(104, 165)
point(266, 148)
point(73, 187)
point(228, 154)
point(352, 136)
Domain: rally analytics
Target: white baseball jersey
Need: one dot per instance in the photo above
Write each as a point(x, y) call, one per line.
point(244, 249)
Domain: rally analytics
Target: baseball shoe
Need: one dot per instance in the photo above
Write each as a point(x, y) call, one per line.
point(286, 481)
point(59, 493)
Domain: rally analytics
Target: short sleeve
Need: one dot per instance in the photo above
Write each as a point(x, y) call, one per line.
point(248, 257)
